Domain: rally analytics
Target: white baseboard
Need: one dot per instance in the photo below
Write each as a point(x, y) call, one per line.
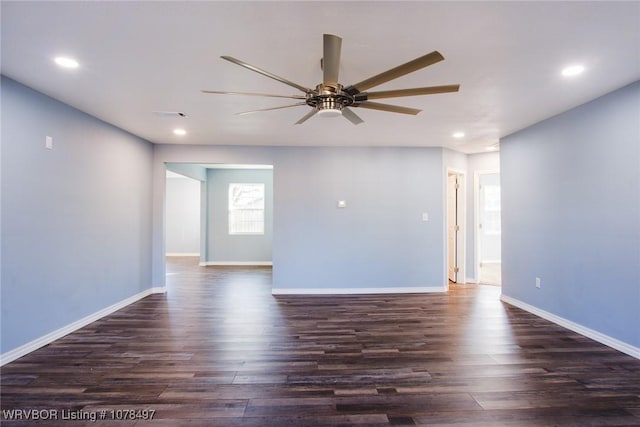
point(575, 327)
point(356, 291)
point(235, 263)
point(182, 254)
point(27, 348)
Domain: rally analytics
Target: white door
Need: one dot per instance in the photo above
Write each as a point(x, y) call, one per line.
point(489, 229)
point(452, 226)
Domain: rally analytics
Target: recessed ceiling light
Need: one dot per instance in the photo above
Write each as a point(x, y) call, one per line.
point(66, 62)
point(572, 70)
point(458, 135)
point(493, 147)
point(179, 132)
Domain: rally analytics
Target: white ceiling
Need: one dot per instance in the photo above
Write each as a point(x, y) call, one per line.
point(140, 57)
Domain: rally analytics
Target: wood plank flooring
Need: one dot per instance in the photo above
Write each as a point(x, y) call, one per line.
point(220, 350)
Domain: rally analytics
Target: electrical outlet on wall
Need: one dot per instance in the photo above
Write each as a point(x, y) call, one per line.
point(538, 282)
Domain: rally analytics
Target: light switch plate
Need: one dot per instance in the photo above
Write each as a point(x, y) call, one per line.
point(48, 143)
point(425, 216)
point(342, 203)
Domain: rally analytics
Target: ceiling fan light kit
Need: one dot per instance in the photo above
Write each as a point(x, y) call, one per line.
point(331, 99)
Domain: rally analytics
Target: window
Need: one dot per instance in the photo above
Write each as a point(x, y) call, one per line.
point(246, 208)
point(492, 209)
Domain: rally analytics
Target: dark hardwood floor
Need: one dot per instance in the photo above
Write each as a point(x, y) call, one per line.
point(219, 350)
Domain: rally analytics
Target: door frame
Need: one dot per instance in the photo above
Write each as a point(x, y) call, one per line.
point(476, 220)
point(461, 216)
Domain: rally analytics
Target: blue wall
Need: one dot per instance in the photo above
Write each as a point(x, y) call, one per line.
point(571, 215)
point(192, 171)
point(76, 220)
point(378, 241)
point(223, 247)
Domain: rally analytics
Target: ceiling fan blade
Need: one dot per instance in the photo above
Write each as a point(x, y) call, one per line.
point(307, 116)
point(331, 59)
point(394, 73)
point(266, 73)
point(387, 107)
point(407, 92)
point(272, 108)
point(351, 116)
point(254, 94)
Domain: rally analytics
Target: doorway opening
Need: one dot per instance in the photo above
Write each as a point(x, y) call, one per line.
point(230, 222)
point(455, 207)
point(182, 213)
point(488, 230)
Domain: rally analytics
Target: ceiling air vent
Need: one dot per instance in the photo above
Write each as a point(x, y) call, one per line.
point(170, 114)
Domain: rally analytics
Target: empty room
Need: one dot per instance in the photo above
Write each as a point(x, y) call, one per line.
point(350, 213)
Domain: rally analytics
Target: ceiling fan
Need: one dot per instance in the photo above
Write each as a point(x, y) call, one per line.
point(330, 98)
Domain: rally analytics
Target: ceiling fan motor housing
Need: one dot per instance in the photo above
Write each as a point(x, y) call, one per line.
point(329, 98)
